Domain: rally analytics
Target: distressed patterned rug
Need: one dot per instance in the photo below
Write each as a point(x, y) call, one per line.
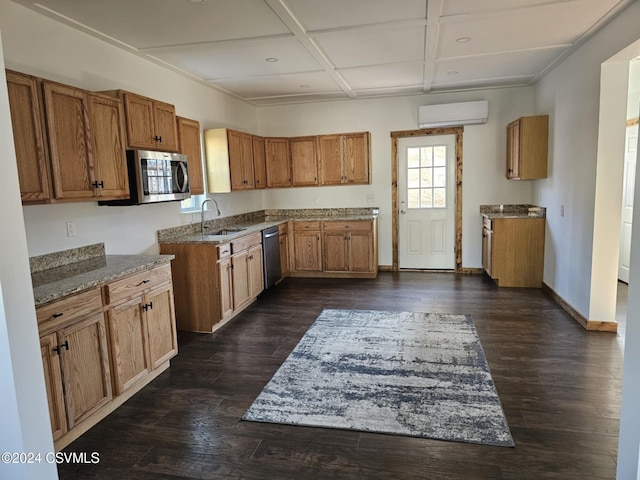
point(403, 373)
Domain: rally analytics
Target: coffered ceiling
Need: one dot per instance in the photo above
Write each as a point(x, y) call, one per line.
point(280, 51)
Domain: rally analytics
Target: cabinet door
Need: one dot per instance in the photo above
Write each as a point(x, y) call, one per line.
point(161, 325)
point(240, 273)
point(189, 143)
point(259, 166)
point(256, 271)
point(53, 384)
point(28, 138)
point(360, 251)
point(165, 131)
point(240, 160)
point(304, 162)
point(307, 252)
point(356, 158)
point(330, 159)
point(335, 252)
point(69, 146)
point(128, 340)
point(486, 251)
point(225, 278)
point(278, 162)
point(140, 129)
point(109, 156)
point(513, 149)
point(85, 369)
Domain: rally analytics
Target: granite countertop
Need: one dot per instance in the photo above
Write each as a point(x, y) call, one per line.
point(67, 277)
point(513, 211)
point(256, 222)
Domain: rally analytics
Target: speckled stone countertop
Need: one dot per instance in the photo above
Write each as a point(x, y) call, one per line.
point(255, 222)
point(513, 211)
point(63, 276)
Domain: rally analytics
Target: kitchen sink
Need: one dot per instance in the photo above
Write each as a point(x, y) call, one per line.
point(226, 231)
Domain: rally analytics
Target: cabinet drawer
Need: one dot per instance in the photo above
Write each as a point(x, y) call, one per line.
point(248, 241)
point(69, 308)
point(302, 226)
point(136, 284)
point(224, 250)
point(487, 223)
point(341, 226)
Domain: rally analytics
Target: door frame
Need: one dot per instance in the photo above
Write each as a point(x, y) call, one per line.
point(395, 221)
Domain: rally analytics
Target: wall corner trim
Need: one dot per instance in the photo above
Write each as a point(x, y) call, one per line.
point(590, 325)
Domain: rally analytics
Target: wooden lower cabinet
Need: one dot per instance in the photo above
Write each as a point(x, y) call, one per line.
point(215, 282)
point(335, 249)
point(97, 353)
point(285, 263)
point(513, 251)
point(76, 364)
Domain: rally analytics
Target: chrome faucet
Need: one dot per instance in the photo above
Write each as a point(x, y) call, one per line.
point(202, 212)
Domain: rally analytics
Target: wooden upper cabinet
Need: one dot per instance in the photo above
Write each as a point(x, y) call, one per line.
point(527, 148)
point(111, 179)
point(189, 145)
point(330, 152)
point(69, 141)
point(151, 124)
point(278, 162)
point(357, 158)
point(259, 166)
point(31, 155)
point(345, 158)
point(240, 147)
point(304, 161)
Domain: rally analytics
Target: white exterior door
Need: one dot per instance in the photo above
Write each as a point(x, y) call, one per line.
point(630, 153)
point(426, 189)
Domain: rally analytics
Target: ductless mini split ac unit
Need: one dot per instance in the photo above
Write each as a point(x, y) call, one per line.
point(453, 114)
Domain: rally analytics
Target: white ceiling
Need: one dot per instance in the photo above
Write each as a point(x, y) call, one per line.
point(334, 49)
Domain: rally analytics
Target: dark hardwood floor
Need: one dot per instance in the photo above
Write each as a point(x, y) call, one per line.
point(559, 386)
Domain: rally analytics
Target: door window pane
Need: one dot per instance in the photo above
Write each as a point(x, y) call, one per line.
point(427, 177)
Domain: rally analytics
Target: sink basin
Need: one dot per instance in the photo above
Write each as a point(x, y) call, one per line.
point(225, 231)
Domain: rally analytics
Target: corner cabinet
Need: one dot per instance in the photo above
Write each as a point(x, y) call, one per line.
point(190, 145)
point(513, 251)
point(527, 148)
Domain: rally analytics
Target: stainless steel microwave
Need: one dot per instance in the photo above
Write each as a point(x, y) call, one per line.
point(155, 177)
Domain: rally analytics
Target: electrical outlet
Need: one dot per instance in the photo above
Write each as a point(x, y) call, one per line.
point(71, 228)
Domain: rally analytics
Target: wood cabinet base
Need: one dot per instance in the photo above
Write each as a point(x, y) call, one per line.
point(334, 274)
point(116, 402)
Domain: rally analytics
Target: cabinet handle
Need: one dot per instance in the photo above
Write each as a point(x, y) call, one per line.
point(97, 184)
point(143, 282)
point(147, 306)
point(158, 138)
point(59, 347)
point(56, 315)
point(251, 257)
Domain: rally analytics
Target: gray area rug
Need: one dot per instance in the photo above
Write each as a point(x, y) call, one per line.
point(404, 373)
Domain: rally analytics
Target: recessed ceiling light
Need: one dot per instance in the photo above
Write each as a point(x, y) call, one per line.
point(452, 72)
point(271, 59)
point(463, 39)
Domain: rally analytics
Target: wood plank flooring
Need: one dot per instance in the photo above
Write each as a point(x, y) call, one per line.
point(559, 386)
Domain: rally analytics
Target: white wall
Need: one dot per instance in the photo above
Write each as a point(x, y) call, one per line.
point(484, 148)
point(571, 95)
point(24, 423)
point(39, 46)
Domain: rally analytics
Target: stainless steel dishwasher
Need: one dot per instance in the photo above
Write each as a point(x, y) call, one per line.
point(271, 256)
